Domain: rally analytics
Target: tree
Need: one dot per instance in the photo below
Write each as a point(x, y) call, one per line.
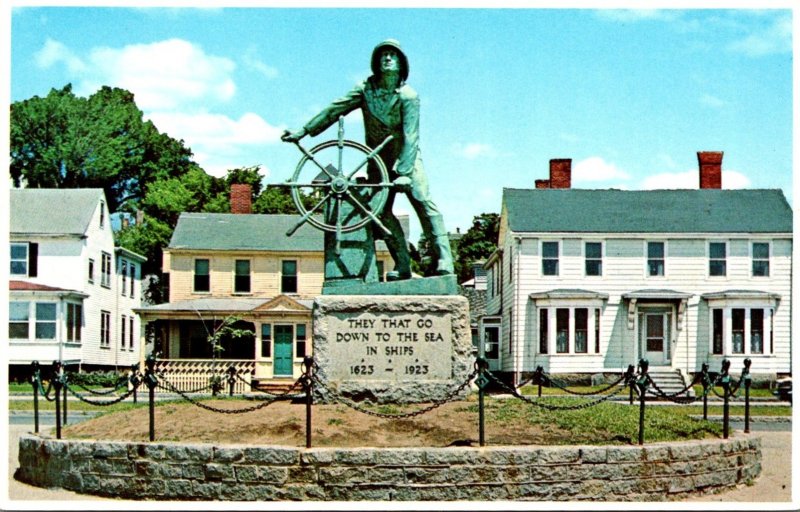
point(65, 141)
point(478, 243)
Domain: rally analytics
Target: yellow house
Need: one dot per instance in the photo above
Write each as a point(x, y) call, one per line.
point(242, 270)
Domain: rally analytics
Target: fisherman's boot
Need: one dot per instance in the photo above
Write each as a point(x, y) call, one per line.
point(441, 244)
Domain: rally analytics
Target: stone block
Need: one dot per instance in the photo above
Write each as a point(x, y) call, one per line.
point(110, 450)
point(189, 453)
point(448, 456)
point(342, 475)
point(360, 493)
point(236, 492)
point(302, 492)
point(53, 447)
point(177, 489)
point(317, 456)
point(215, 471)
point(687, 452)
point(300, 474)
point(193, 471)
point(150, 469)
point(378, 475)
point(81, 449)
point(263, 492)
point(206, 490)
point(592, 455)
point(400, 457)
point(681, 484)
point(272, 455)
point(152, 451)
point(437, 475)
point(355, 457)
point(625, 454)
point(113, 467)
point(227, 455)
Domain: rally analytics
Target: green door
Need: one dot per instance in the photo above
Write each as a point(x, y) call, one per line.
point(284, 336)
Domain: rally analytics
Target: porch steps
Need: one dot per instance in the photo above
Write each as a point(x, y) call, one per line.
point(276, 386)
point(669, 381)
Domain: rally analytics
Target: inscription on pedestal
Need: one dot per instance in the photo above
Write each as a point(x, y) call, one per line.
point(392, 349)
point(390, 346)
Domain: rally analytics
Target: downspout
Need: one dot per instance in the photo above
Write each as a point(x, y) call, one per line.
point(521, 345)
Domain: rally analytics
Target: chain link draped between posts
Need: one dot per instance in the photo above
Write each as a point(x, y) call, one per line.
point(168, 386)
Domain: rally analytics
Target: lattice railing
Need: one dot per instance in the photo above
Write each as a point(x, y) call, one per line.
point(189, 375)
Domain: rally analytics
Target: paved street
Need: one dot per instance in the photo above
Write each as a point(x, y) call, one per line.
point(773, 486)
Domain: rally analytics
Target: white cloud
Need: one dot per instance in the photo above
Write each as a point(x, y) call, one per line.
point(596, 169)
point(164, 75)
point(218, 142)
point(775, 38)
point(691, 180)
point(251, 61)
point(712, 101)
point(474, 150)
point(54, 52)
point(177, 85)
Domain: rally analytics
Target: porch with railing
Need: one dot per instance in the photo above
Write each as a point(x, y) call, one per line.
point(189, 375)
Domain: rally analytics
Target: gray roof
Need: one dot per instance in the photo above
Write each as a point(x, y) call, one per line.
point(53, 211)
point(228, 304)
point(250, 232)
point(647, 211)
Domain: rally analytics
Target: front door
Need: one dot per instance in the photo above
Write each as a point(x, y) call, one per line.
point(655, 338)
point(284, 337)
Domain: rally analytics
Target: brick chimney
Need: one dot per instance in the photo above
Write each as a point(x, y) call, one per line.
point(241, 198)
point(542, 183)
point(710, 163)
point(560, 173)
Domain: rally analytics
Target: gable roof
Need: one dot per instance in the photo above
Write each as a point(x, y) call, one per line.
point(53, 211)
point(251, 232)
point(647, 211)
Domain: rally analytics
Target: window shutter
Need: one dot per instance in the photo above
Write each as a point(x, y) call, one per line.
point(33, 259)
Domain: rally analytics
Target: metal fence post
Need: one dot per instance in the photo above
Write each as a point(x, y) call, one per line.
point(231, 379)
point(151, 381)
point(64, 391)
point(35, 379)
point(641, 385)
point(57, 385)
point(133, 379)
point(706, 384)
point(308, 362)
point(539, 379)
point(726, 389)
point(747, 381)
point(482, 365)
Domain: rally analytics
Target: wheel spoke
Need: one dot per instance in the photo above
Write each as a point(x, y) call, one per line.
point(369, 157)
point(314, 160)
point(367, 212)
point(338, 225)
point(308, 214)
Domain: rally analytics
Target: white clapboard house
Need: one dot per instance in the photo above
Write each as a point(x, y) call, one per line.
point(71, 290)
point(590, 281)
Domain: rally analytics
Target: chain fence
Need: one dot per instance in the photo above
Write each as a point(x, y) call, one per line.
point(313, 383)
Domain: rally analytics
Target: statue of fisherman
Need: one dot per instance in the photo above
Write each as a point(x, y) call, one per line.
point(391, 107)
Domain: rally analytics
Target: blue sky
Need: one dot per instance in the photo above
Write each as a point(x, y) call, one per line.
point(629, 96)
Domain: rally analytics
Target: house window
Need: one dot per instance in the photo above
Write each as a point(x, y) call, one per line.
point(596, 331)
point(45, 321)
point(300, 334)
point(19, 259)
point(242, 278)
point(594, 258)
point(562, 330)
point(74, 321)
point(123, 325)
point(543, 329)
point(760, 259)
point(289, 276)
point(130, 333)
point(105, 278)
point(124, 273)
point(102, 214)
point(717, 264)
point(737, 330)
point(756, 331)
point(655, 258)
point(581, 330)
point(105, 329)
point(91, 270)
point(202, 278)
point(510, 266)
point(132, 276)
point(266, 340)
point(18, 320)
point(491, 341)
point(550, 258)
point(718, 329)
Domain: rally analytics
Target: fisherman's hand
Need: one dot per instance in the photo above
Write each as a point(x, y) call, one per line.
point(293, 136)
point(403, 183)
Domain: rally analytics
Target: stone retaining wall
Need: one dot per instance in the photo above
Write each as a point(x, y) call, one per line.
point(178, 471)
